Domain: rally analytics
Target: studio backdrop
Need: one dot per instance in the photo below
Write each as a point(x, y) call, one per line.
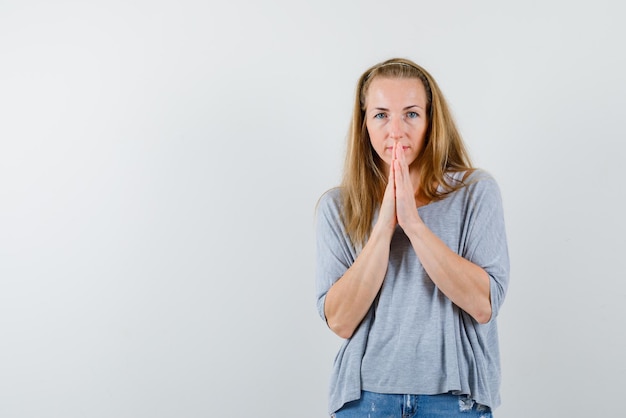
point(160, 163)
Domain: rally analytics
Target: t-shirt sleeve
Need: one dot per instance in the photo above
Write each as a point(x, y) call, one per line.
point(485, 241)
point(334, 251)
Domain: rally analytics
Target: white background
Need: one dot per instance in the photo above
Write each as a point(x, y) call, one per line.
point(160, 162)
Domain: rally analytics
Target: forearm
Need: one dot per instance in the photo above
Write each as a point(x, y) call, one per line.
point(349, 299)
point(463, 282)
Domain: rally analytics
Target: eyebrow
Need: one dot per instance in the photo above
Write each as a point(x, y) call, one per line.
point(406, 108)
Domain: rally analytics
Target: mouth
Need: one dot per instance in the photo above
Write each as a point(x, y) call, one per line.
point(404, 148)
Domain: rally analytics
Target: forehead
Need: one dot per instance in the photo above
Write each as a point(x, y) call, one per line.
point(387, 92)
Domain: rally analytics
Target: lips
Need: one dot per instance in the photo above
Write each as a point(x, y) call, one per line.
point(404, 147)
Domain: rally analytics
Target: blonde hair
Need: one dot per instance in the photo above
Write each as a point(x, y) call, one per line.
point(364, 181)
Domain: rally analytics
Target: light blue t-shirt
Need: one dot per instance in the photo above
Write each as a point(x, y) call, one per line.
point(414, 340)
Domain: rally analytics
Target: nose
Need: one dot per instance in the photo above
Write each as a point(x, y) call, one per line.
point(395, 128)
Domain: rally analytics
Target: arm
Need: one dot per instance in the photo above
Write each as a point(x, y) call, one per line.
point(466, 284)
point(348, 300)
point(463, 282)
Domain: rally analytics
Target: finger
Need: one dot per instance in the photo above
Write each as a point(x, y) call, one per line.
point(388, 205)
point(400, 167)
point(394, 169)
point(404, 166)
point(398, 177)
point(402, 158)
point(391, 183)
point(404, 186)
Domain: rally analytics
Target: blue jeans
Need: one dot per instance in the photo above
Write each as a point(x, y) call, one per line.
point(378, 405)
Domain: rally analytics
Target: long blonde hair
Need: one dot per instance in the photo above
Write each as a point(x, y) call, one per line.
point(364, 181)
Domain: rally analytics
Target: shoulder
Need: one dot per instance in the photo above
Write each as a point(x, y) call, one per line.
point(476, 179)
point(329, 204)
point(474, 185)
point(469, 176)
point(484, 179)
point(482, 189)
point(328, 215)
point(459, 180)
point(330, 199)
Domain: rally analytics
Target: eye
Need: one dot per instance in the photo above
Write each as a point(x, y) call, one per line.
point(412, 115)
point(380, 116)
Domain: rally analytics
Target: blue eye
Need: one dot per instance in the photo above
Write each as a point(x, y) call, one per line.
point(379, 116)
point(412, 115)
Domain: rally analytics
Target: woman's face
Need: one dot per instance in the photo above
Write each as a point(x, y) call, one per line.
point(395, 112)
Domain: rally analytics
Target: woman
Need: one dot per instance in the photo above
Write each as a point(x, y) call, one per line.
point(412, 259)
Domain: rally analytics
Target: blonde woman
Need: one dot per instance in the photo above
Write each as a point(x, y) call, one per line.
point(412, 259)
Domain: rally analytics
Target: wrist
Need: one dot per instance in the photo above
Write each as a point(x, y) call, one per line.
point(415, 229)
point(382, 231)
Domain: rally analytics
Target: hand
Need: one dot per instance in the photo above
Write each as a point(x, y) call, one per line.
point(406, 212)
point(387, 214)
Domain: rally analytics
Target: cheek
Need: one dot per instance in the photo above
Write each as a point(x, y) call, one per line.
point(373, 138)
point(377, 144)
point(369, 130)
